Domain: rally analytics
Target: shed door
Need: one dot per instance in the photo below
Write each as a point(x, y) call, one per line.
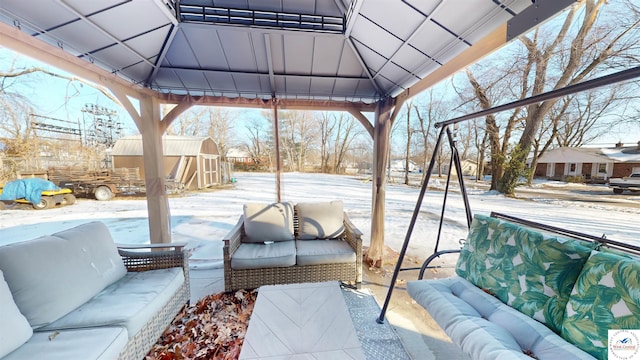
point(210, 171)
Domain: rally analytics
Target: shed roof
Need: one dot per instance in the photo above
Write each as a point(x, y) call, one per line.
point(172, 145)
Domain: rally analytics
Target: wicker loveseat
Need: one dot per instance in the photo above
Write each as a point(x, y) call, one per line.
point(283, 243)
point(76, 295)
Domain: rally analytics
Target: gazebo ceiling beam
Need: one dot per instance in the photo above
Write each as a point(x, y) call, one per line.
point(283, 103)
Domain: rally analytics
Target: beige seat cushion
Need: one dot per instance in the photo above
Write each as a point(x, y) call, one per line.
point(257, 256)
point(103, 343)
point(324, 252)
point(323, 220)
point(131, 302)
point(268, 222)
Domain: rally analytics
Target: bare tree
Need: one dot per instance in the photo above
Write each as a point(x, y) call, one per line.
point(582, 44)
point(429, 109)
point(259, 144)
point(481, 139)
point(298, 130)
point(220, 128)
point(586, 109)
point(327, 123)
point(189, 123)
point(346, 133)
point(566, 59)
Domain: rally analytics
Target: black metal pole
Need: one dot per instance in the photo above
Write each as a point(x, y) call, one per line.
point(444, 199)
point(568, 90)
point(412, 223)
point(463, 189)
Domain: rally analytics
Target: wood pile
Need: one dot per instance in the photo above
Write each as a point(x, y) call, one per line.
point(85, 175)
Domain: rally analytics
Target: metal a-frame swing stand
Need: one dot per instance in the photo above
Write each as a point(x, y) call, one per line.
point(614, 78)
point(454, 161)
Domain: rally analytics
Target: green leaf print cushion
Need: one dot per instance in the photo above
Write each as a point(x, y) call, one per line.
point(525, 269)
point(606, 297)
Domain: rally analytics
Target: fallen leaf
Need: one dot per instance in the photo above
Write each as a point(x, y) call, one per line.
point(213, 328)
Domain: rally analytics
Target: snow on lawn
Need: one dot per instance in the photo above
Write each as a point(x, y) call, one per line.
point(203, 218)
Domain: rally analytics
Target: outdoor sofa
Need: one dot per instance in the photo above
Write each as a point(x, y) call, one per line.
point(285, 243)
point(522, 293)
point(76, 295)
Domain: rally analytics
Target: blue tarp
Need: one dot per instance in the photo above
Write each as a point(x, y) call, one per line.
point(30, 189)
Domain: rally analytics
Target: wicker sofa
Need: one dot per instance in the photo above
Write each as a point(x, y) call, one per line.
point(283, 243)
point(76, 295)
point(520, 293)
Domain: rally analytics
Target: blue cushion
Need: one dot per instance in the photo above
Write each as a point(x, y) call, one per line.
point(486, 328)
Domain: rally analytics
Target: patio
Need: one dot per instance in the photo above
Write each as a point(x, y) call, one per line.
point(409, 328)
point(351, 56)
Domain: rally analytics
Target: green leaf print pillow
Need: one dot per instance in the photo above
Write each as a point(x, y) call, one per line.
point(606, 297)
point(524, 268)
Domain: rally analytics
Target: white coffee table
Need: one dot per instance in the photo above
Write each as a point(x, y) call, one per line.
point(301, 321)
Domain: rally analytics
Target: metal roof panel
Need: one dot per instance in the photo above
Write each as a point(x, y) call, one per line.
point(237, 49)
point(298, 54)
point(387, 12)
point(378, 34)
point(221, 81)
point(375, 37)
point(327, 52)
point(206, 48)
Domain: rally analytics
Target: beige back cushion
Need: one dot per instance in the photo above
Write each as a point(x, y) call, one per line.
point(268, 222)
point(52, 275)
point(322, 220)
point(14, 327)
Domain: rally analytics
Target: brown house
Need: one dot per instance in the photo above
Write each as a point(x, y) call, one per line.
point(192, 161)
point(593, 164)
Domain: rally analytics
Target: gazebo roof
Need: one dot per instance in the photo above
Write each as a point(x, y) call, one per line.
point(340, 50)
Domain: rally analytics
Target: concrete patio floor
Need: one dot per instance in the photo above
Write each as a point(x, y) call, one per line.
point(420, 335)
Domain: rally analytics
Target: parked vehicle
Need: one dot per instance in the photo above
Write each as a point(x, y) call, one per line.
point(24, 191)
point(631, 182)
point(101, 184)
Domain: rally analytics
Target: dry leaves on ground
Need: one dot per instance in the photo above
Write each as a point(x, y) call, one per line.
point(212, 329)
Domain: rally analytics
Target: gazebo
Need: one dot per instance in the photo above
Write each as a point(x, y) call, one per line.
point(358, 56)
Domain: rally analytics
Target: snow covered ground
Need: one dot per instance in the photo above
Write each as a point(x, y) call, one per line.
point(203, 218)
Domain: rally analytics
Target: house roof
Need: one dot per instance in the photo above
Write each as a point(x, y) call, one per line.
point(172, 145)
point(237, 153)
point(574, 155)
point(623, 154)
point(343, 50)
point(591, 155)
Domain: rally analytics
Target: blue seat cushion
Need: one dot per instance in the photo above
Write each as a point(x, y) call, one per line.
point(486, 328)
